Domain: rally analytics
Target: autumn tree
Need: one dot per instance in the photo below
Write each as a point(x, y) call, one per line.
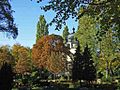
point(22, 59)
point(6, 19)
point(65, 32)
point(5, 55)
point(58, 62)
point(15, 51)
point(43, 51)
point(42, 28)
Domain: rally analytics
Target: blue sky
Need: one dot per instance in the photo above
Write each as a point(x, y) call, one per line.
point(26, 16)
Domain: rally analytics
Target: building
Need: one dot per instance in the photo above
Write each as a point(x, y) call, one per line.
point(72, 43)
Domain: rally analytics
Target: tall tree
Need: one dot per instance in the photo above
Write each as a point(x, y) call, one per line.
point(86, 33)
point(6, 19)
point(65, 32)
point(42, 28)
point(109, 53)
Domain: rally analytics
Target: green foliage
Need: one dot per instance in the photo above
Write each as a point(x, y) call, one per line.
point(42, 28)
point(64, 9)
point(106, 12)
point(6, 19)
point(86, 32)
point(65, 32)
point(109, 53)
point(108, 44)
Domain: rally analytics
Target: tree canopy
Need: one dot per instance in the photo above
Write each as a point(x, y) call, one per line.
point(22, 59)
point(86, 33)
point(6, 19)
point(5, 56)
point(43, 49)
point(58, 62)
point(106, 12)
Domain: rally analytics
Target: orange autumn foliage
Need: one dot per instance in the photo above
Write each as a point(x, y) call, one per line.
point(41, 51)
point(57, 62)
point(22, 59)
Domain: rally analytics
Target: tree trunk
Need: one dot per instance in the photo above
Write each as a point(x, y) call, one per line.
point(107, 69)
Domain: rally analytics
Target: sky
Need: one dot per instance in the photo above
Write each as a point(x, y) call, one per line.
point(26, 16)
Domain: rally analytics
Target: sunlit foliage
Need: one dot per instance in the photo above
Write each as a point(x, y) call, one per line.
point(44, 48)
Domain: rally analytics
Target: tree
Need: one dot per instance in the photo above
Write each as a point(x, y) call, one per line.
point(58, 62)
point(64, 9)
point(42, 28)
point(5, 55)
point(83, 66)
point(109, 53)
point(22, 59)
point(6, 69)
point(86, 33)
point(41, 51)
point(6, 77)
point(88, 68)
point(77, 65)
point(22, 66)
point(108, 44)
point(6, 19)
point(65, 32)
point(15, 51)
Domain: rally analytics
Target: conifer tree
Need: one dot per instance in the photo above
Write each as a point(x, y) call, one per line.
point(88, 69)
point(77, 65)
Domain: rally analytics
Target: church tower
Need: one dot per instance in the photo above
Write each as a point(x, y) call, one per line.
point(72, 43)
